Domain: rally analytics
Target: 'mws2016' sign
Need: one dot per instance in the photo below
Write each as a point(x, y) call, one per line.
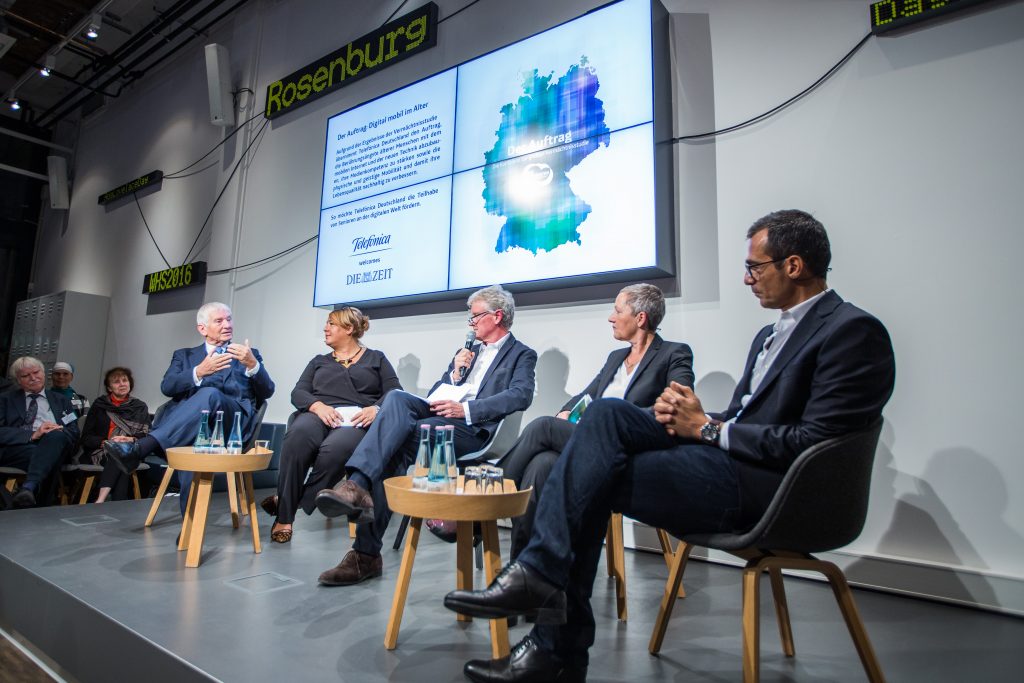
point(187, 275)
point(393, 42)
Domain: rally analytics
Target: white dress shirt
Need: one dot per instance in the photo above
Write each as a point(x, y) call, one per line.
point(788, 320)
point(485, 356)
point(209, 349)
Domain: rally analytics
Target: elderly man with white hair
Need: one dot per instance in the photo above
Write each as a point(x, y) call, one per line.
point(38, 428)
point(219, 374)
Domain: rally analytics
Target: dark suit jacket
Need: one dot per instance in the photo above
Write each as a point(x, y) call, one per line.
point(833, 376)
point(248, 391)
point(12, 416)
point(663, 362)
point(506, 388)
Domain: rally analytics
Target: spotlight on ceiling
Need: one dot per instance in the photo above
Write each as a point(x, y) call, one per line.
point(93, 32)
point(48, 65)
point(15, 105)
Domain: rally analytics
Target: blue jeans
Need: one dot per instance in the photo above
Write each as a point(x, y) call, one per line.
point(388, 449)
point(620, 458)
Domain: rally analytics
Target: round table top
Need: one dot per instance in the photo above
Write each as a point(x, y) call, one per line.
point(183, 458)
point(460, 507)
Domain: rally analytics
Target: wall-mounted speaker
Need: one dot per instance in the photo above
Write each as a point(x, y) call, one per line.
point(218, 81)
point(57, 170)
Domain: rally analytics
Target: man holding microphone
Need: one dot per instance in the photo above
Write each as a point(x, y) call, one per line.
point(498, 374)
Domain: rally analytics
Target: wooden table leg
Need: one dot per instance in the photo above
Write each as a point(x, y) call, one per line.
point(464, 560)
point(492, 565)
point(195, 542)
point(233, 498)
point(160, 492)
point(251, 510)
point(243, 498)
point(190, 515)
point(412, 538)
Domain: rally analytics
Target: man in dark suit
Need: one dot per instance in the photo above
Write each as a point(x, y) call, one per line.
point(216, 375)
point(824, 369)
point(637, 374)
point(38, 429)
point(498, 374)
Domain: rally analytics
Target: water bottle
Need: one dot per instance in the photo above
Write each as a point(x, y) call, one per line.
point(437, 478)
point(217, 438)
point(202, 442)
point(422, 464)
point(449, 454)
point(235, 440)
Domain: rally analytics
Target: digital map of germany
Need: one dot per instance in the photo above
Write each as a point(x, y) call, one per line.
point(550, 129)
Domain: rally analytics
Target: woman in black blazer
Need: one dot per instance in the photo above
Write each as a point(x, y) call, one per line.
point(352, 379)
point(638, 374)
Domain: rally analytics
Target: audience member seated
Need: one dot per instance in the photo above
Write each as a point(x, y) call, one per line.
point(497, 377)
point(38, 430)
point(115, 416)
point(826, 368)
point(351, 377)
point(216, 375)
point(637, 374)
point(60, 381)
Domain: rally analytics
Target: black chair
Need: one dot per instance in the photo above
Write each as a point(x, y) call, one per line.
point(261, 410)
point(820, 505)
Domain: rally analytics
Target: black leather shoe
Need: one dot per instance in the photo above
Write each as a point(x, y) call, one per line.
point(517, 590)
point(527, 663)
point(24, 498)
point(125, 456)
point(347, 498)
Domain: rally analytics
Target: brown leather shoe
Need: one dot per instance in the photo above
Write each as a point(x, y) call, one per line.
point(347, 498)
point(354, 568)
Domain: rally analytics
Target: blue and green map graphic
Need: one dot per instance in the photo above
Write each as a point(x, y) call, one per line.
point(551, 128)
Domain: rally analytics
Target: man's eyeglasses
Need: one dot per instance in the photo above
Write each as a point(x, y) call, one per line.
point(754, 269)
point(472, 320)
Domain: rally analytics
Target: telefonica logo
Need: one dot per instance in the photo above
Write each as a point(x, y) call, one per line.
point(369, 242)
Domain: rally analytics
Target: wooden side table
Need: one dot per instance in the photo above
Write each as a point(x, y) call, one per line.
point(463, 508)
point(205, 465)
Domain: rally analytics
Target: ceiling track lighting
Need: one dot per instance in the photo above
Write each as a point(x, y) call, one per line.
point(15, 104)
point(48, 65)
point(93, 32)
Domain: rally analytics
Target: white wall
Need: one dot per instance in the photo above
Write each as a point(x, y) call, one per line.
point(911, 156)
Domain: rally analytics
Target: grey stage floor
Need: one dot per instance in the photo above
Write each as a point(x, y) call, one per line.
point(107, 600)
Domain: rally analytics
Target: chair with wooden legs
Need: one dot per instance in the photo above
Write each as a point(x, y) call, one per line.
point(11, 478)
point(91, 473)
point(615, 560)
point(235, 490)
point(820, 505)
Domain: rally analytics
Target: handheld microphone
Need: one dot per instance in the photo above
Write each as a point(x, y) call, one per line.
point(470, 338)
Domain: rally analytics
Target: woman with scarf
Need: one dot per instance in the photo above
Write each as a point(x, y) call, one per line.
point(117, 416)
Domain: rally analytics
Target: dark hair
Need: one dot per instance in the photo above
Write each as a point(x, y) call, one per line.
point(118, 370)
point(792, 232)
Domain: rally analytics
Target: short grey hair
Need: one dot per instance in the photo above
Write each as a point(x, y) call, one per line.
point(21, 363)
point(203, 314)
point(645, 298)
point(497, 298)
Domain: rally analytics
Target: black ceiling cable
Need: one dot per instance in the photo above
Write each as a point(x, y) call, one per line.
point(397, 9)
point(151, 236)
point(176, 174)
point(760, 117)
point(458, 11)
point(241, 158)
point(264, 260)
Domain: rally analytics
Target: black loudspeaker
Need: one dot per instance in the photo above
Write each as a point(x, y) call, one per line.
point(218, 81)
point(57, 170)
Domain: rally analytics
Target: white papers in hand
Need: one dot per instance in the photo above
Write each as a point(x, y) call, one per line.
point(346, 413)
point(448, 392)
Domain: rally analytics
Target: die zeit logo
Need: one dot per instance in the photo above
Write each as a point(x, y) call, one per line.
point(369, 276)
point(175, 278)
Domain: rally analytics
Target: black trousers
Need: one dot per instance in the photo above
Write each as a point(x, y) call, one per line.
point(309, 443)
point(40, 459)
point(528, 463)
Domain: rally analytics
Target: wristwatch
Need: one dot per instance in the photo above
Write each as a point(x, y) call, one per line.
point(710, 432)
